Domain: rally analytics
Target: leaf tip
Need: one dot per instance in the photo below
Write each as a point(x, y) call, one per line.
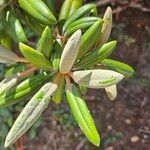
point(114, 42)
point(79, 32)
point(121, 76)
point(21, 45)
point(109, 9)
point(7, 143)
point(97, 141)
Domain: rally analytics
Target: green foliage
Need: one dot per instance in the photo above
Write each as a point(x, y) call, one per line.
point(62, 50)
point(82, 115)
point(7, 119)
point(6, 114)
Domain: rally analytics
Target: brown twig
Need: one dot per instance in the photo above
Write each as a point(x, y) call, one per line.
point(70, 74)
point(29, 66)
point(123, 5)
point(21, 59)
point(104, 2)
point(132, 5)
point(81, 144)
point(19, 143)
point(119, 9)
point(57, 78)
point(139, 6)
point(144, 131)
point(28, 72)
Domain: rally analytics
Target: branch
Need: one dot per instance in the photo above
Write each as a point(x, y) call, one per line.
point(123, 5)
point(21, 59)
point(28, 72)
point(139, 6)
point(144, 131)
point(104, 2)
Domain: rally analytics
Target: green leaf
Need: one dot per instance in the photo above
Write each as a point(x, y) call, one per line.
point(14, 28)
point(78, 14)
point(35, 57)
point(34, 25)
point(8, 83)
point(51, 5)
point(90, 37)
point(83, 20)
point(59, 92)
point(68, 8)
point(38, 10)
point(31, 113)
point(82, 115)
point(7, 56)
point(75, 5)
point(118, 66)
point(23, 90)
point(106, 28)
point(45, 44)
point(65, 9)
point(98, 78)
point(97, 55)
point(70, 52)
point(83, 27)
point(58, 48)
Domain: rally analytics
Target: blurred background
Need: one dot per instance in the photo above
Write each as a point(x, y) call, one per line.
point(125, 123)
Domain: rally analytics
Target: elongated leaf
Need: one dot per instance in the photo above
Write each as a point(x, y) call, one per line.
point(83, 27)
point(23, 90)
point(118, 66)
point(97, 55)
point(83, 20)
point(90, 37)
point(70, 52)
point(78, 14)
point(45, 44)
point(51, 5)
point(31, 112)
point(35, 57)
point(82, 115)
point(98, 78)
point(111, 92)
point(34, 25)
point(106, 28)
point(8, 83)
point(59, 92)
point(14, 28)
point(38, 10)
point(7, 56)
point(58, 48)
point(75, 5)
point(65, 9)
